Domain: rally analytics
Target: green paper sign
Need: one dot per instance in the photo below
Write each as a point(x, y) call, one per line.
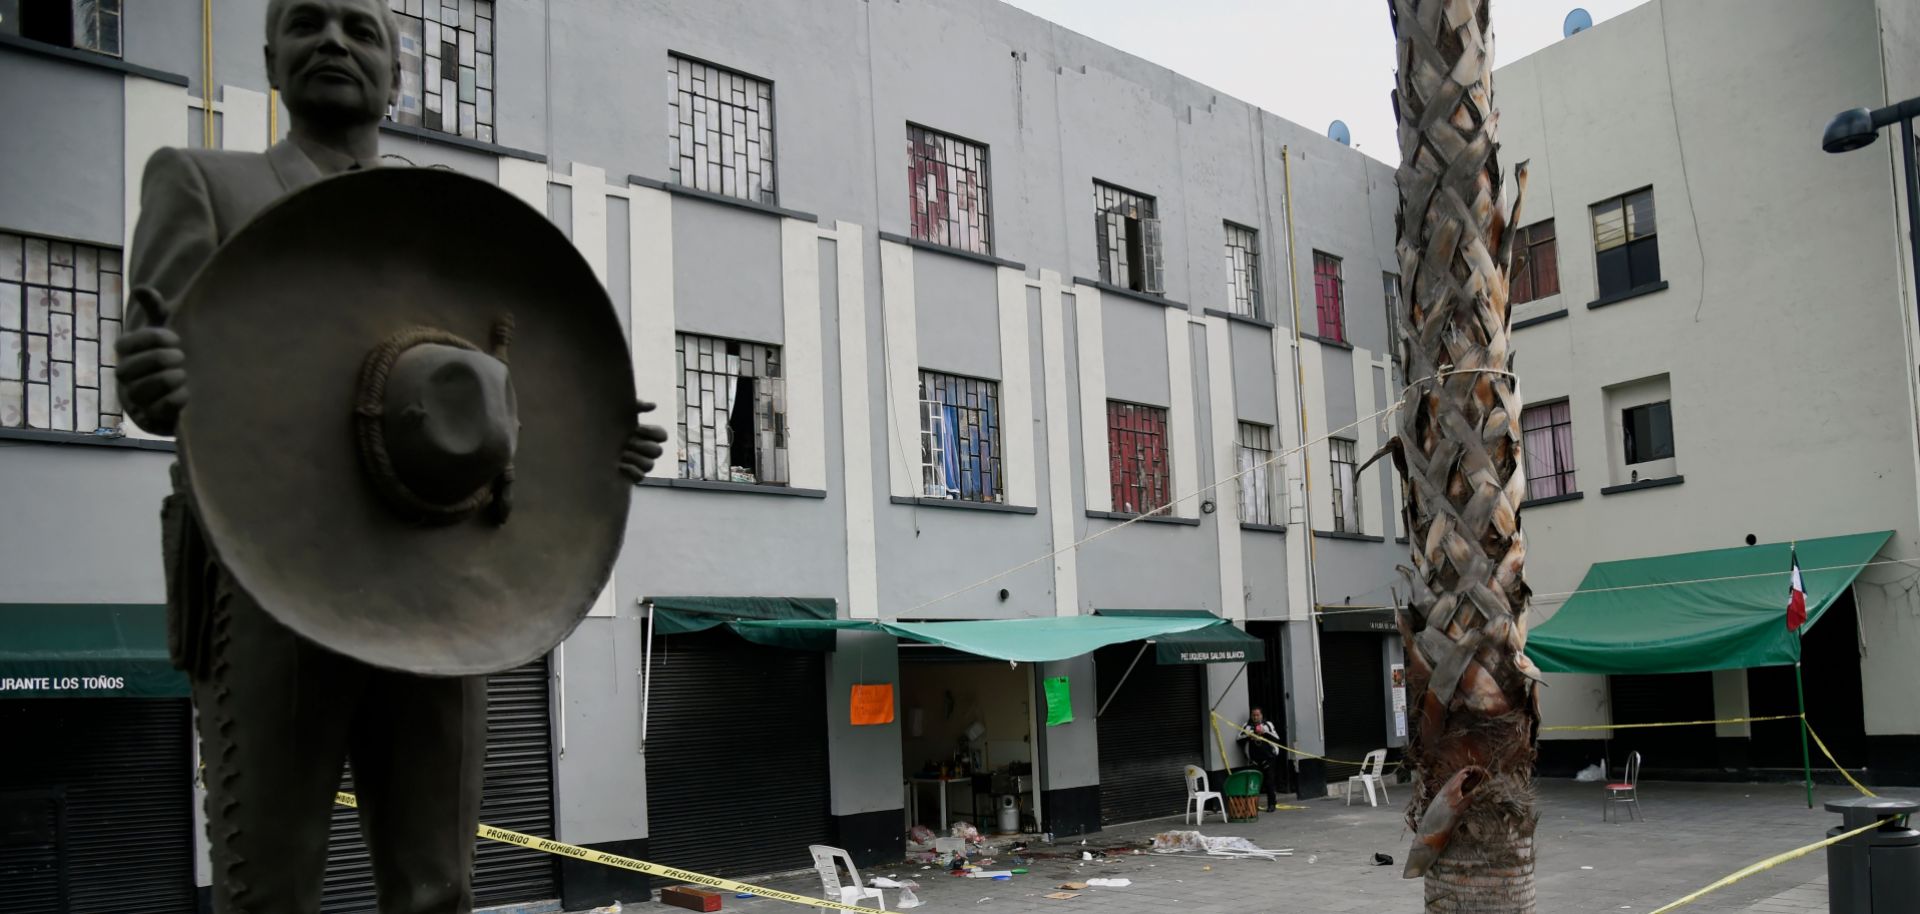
point(1059, 701)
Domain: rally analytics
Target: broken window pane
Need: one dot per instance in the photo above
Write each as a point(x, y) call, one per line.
point(1129, 251)
point(947, 190)
point(446, 67)
point(960, 438)
point(731, 410)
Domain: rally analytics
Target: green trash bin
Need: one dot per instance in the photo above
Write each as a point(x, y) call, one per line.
point(1243, 796)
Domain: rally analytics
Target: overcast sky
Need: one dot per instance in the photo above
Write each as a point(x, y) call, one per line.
point(1309, 61)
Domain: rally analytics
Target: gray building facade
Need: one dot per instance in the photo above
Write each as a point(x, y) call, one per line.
point(930, 294)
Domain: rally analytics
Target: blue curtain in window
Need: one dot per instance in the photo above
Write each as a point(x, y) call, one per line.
point(950, 446)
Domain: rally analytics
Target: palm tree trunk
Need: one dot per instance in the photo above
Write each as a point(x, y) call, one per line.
point(1458, 441)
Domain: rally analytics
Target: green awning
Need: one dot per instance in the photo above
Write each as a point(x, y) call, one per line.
point(1038, 640)
point(1723, 609)
point(1219, 642)
point(744, 615)
point(86, 650)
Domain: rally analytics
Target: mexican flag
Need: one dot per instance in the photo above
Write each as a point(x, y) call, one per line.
point(1796, 598)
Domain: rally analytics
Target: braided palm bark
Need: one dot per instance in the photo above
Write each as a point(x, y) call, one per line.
point(1471, 689)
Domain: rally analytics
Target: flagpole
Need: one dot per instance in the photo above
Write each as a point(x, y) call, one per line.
point(1796, 588)
point(1806, 760)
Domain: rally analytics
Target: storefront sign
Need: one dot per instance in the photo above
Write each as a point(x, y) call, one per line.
point(1235, 656)
point(1339, 619)
point(78, 686)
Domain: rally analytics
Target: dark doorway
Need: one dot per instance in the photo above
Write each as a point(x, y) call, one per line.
point(1830, 663)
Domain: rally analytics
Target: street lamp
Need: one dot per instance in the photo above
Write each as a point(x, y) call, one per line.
point(1857, 127)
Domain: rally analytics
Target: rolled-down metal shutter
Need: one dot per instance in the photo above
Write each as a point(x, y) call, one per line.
point(518, 796)
point(737, 780)
point(1150, 733)
point(1356, 699)
point(114, 778)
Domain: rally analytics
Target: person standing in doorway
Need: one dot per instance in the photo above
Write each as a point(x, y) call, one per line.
point(1257, 743)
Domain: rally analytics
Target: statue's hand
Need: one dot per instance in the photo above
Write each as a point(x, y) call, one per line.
point(151, 374)
point(642, 447)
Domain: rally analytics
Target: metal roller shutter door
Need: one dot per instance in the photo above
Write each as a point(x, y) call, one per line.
point(120, 772)
point(1148, 735)
point(737, 780)
point(1356, 702)
point(518, 795)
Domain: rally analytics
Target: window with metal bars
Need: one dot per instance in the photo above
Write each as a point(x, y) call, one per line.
point(59, 317)
point(1536, 264)
point(1127, 232)
point(87, 25)
point(1243, 271)
point(1547, 439)
point(1258, 470)
point(720, 130)
point(733, 411)
point(1137, 454)
point(947, 187)
point(1329, 297)
point(446, 66)
point(960, 438)
point(1346, 487)
point(1626, 248)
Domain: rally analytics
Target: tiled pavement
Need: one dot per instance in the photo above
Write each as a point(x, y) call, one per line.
point(1692, 835)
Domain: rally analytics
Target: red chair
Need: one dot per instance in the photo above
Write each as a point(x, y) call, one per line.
point(1627, 791)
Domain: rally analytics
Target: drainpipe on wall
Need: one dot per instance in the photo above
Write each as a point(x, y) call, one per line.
point(1306, 465)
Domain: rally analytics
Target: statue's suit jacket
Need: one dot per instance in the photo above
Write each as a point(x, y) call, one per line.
point(192, 200)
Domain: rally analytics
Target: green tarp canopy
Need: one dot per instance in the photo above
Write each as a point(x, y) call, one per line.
point(809, 624)
point(86, 650)
point(1723, 609)
point(761, 620)
point(1220, 642)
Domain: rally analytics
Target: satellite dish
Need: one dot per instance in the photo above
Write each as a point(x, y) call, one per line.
point(1338, 132)
point(1577, 21)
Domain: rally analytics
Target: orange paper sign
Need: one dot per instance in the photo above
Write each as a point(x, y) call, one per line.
point(872, 704)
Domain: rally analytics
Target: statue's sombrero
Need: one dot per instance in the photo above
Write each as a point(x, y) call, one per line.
point(409, 398)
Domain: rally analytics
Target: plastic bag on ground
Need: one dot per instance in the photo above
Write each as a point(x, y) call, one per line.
point(1591, 774)
point(609, 909)
point(920, 834)
point(906, 899)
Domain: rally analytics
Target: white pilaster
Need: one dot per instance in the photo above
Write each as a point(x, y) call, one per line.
point(650, 294)
point(1182, 427)
point(806, 382)
point(1316, 459)
point(243, 114)
point(1225, 421)
point(1366, 437)
point(903, 369)
point(1053, 352)
point(1093, 399)
point(154, 118)
point(1019, 461)
point(526, 180)
point(856, 417)
point(590, 217)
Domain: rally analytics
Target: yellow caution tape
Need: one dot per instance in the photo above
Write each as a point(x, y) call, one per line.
point(1765, 865)
point(1673, 723)
point(673, 874)
point(1836, 762)
point(1249, 734)
point(1221, 743)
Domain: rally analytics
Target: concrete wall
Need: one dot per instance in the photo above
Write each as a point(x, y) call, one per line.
point(1785, 321)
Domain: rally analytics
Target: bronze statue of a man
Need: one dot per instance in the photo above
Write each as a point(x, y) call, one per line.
point(279, 714)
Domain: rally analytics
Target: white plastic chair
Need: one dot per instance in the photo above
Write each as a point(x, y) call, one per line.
point(1198, 795)
point(1370, 776)
point(827, 861)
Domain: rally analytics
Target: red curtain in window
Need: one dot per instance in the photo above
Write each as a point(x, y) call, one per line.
point(1327, 297)
point(1137, 457)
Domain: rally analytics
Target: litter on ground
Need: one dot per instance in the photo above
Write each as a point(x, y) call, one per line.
point(1183, 842)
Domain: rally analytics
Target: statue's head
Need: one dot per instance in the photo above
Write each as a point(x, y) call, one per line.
point(334, 61)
